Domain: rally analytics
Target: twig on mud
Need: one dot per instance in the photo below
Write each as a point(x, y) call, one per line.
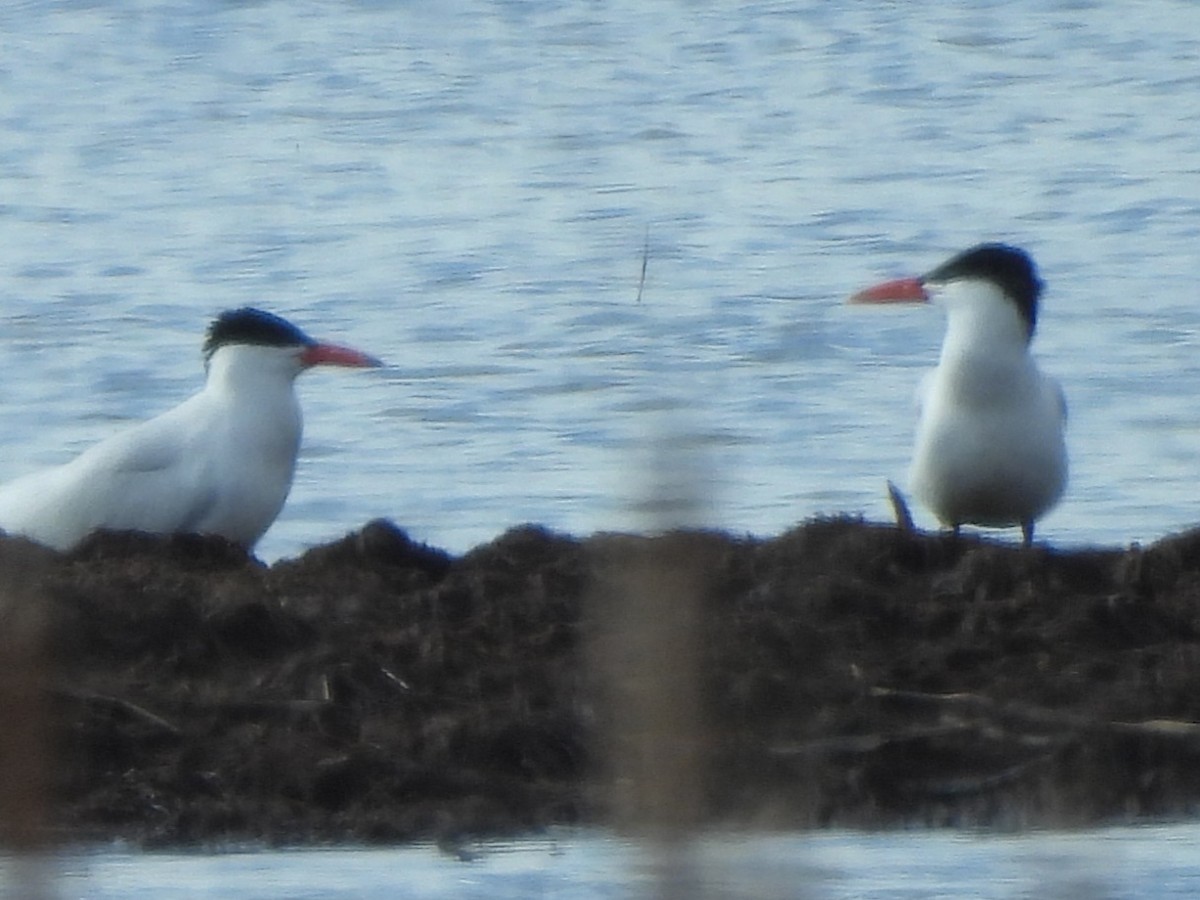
point(1173, 728)
point(1160, 727)
point(869, 743)
point(193, 705)
point(986, 718)
point(864, 743)
point(126, 706)
point(258, 707)
point(977, 784)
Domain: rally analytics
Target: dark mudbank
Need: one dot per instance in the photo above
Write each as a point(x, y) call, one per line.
point(375, 689)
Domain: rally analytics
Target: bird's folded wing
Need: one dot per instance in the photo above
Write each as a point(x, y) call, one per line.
point(153, 485)
point(123, 484)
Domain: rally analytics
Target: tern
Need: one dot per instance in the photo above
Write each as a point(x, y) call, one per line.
point(220, 463)
point(990, 447)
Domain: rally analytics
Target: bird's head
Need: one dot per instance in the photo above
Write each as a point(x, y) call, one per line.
point(987, 279)
point(276, 342)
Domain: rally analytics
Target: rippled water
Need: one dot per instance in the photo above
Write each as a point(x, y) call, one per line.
point(1148, 863)
point(466, 189)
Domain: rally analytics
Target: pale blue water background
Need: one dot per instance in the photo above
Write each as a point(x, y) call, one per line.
point(465, 189)
point(1148, 862)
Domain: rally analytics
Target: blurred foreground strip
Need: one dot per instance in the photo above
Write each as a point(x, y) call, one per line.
point(648, 607)
point(25, 751)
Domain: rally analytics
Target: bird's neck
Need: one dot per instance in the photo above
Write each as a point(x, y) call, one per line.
point(984, 328)
point(985, 365)
point(967, 347)
point(256, 388)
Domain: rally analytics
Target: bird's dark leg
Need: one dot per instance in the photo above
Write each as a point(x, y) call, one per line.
point(1027, 532)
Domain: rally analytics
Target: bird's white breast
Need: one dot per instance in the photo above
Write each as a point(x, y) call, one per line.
point(990, 447)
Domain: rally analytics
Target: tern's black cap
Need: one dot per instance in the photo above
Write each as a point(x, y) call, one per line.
point(253, 326)
point(1009, 268)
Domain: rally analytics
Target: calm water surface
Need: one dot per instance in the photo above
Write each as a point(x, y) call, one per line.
point(1117, 864)
point(466, 190)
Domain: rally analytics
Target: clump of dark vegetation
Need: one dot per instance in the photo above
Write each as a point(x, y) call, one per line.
point(375, 689)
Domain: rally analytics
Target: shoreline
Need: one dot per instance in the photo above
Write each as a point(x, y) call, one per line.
point(374, 690)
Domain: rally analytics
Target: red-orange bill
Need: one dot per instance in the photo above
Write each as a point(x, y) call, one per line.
point(334, 355)
point(898, 290)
